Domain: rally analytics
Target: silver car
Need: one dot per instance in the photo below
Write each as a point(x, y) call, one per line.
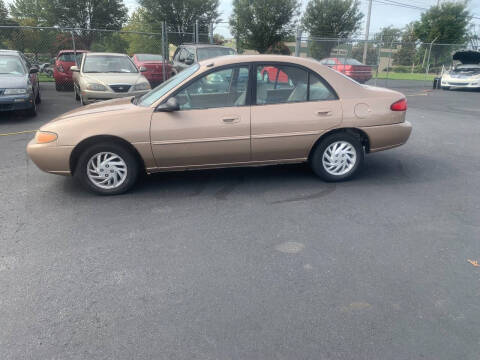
point(103, 76)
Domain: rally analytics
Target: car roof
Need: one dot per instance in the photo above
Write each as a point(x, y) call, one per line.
point(205, 46)
point(233, 59)
point(71, 51)
point(16, 52)
point(105, 53)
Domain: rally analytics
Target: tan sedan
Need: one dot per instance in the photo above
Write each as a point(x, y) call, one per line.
point(103, 76)
point(220, 113)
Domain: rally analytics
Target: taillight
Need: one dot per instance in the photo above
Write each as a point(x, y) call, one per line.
point(400, 105)
point(60, 68)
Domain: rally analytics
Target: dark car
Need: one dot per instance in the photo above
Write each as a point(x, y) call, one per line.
point(188, 54)
point(19, 87)
point(61, 70)
point(350, 67)
point(153, 65)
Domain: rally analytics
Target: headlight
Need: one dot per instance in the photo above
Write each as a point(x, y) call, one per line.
point(96, 87)
point(15, 91)
point(142, 86)
point(43, 137)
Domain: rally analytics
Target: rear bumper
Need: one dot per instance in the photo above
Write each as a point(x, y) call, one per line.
point(50, 157)
point(62, 77)
point(16, 102)
point(385, 137)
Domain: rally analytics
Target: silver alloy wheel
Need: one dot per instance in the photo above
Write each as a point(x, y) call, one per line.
point(339, 158)
point(107, 170)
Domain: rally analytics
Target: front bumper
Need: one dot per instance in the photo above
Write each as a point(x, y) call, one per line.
point(50, 157)
point(90, 96)
point(16, 102)
point(460, 84)
point(385, 137)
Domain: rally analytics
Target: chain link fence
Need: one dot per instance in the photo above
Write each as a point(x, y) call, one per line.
point(390, 63)
point(42, 44)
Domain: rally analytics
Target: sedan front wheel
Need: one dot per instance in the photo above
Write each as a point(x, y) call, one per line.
point(107, 169)
point(338, 157)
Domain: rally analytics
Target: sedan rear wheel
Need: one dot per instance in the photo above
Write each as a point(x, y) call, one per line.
point(338, 157)
point(107, 169)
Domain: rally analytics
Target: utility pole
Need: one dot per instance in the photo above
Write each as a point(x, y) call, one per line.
point(367, 32)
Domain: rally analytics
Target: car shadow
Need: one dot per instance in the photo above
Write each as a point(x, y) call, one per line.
point(14, 117)
point(289, 182)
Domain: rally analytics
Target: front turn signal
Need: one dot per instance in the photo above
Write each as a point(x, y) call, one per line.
point(43, 137)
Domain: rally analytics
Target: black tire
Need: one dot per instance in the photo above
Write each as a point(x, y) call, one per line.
point(33, 110)
point(132, 168)
point(316, 158)
point(77, 97)
point(445, 88)
point(58, 87)
point(38, 99)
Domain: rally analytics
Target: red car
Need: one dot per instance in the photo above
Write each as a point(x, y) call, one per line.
point(270, 73)
point(153, 65)
point(61, 71)
point(350, 67)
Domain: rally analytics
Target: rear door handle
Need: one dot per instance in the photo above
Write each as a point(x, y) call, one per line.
point(231, 120)
point(324, 113)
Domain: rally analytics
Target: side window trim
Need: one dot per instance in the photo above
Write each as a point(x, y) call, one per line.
point(248, 97)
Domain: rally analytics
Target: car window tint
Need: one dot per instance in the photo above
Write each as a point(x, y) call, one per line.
point(319, 90)
point(11, 65)
point(281, 84)
point(67, 57)
point(155, 94)
point(222, 88)
point(208, 53)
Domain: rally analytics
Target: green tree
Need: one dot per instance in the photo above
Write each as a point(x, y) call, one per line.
point(389, 34)
point(407, 53)
point(83, 14)
point(141, 43)
point(180, 16)
point(447, 24)
point(330, 19)
point(260, 24)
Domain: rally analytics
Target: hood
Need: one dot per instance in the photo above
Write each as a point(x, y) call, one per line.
point(8, 81)
point(467, 56)
point(100, 107)
point(115, 78)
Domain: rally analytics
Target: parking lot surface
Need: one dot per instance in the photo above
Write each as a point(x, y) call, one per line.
point(257, 263)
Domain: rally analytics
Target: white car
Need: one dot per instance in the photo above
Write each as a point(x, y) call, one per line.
point(464, 75)
point(103, 76)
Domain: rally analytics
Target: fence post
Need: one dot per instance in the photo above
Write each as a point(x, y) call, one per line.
point(196, 32)
point(428, 61)
point(74, 47)
point(165, 50)
point(210, 32)
point(298, 42)
point(388, 64)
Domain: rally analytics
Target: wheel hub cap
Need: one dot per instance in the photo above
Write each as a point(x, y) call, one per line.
point(339, 158)
point(107, 170)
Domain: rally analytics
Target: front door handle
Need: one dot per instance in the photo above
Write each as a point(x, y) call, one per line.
point(231, 120)
point(324, 113)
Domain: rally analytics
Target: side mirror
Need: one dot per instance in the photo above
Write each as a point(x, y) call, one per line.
point(74, 68)
point(142, 68)
point(189, 61)
point(34, 70)
point(170, 105)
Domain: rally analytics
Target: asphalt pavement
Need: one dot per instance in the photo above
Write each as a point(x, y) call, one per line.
point(257, 263)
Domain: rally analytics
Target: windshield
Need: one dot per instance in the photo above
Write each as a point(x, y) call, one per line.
point(152, 96)
point(208, 53)
point(149, 57)
point(108, 64)
point(11, 65)
point(69, 57)
point(349, 61)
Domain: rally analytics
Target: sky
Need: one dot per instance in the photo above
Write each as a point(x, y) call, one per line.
point(382, 14)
